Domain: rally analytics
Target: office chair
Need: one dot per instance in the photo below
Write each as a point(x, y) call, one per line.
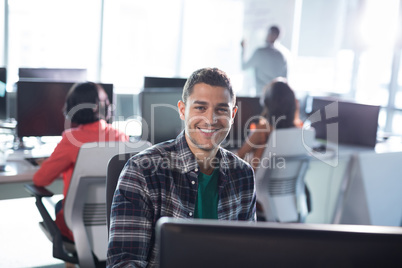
point(280, 183)
point(114, 169)
point(84, 205)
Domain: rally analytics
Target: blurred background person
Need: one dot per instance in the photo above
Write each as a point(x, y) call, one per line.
point(280, 110)
point(268, 62)
point(87, 108)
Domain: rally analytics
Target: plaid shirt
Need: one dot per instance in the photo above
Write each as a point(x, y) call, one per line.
point(162, 181)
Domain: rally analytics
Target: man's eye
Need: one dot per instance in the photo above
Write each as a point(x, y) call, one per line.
point(223, 110)
point(200, 108)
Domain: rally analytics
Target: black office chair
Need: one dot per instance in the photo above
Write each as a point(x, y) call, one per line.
point(114, 169)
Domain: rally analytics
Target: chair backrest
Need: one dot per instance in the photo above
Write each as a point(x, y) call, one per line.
point(290, 141)
point(115, 166)
point(280, 177)
point(85, 203)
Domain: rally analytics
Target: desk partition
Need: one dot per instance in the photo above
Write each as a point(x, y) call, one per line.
point(374, 192)
point(364, 187)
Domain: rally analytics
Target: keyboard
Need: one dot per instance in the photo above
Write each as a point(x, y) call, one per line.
point(35, 161)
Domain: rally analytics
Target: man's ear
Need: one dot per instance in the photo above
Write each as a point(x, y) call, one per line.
point(234, 112)
point(182, 109)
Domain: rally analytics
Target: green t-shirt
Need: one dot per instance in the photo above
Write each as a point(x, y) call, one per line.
point(206, 205)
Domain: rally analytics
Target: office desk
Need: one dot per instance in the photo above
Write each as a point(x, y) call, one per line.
point(374, 192)
point(360, 186)
point(325, 179)
point(19, 172)
point(18, 169)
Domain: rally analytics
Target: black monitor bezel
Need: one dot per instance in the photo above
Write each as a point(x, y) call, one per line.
point(3, 99)
point(163, 82)
point(357, 122)
point(213, 243)
point(52, 74)
point(21, 130)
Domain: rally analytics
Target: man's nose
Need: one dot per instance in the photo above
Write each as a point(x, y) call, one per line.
point(211, 117)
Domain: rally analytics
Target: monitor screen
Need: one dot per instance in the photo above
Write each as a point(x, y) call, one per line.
point(160, 116)
point(249, 110)
point(3, 93)
point(40, 107)
point(164, 82)
point(210, 243)
point(356, 123)
point(52, 74)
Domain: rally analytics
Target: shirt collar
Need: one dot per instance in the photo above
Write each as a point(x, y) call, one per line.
point(186, 159)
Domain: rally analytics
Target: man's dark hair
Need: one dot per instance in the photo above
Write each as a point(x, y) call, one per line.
point(280, 101)
point(82, 104)
point(209, 76)
point(275, 30)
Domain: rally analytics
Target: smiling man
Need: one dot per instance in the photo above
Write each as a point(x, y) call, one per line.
point(188, 177)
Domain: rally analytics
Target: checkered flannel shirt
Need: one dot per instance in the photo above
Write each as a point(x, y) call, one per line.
point(162, 181)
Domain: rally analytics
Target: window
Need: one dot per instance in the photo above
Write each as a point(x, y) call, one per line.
point(169, 39)
point(133, 39)
point(2, 25)
point(54, 34)
point(141, 38)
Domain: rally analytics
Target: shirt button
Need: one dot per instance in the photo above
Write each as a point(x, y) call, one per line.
point(196, 170)
point(192, 182)
point(190, 214)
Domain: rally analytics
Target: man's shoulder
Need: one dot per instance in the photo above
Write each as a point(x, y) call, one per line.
point(159, 150)
point(234, 162)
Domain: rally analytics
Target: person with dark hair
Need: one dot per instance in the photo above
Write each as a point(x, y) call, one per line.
point(280, 111)
point(86, 109)
point(268, 62)
point(190, 177)
point(87, 103)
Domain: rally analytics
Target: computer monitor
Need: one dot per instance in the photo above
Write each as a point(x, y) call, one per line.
point(3, 93)
point(357, 123)
point(160, 116)
point(40, 107)
point(249, 110)
point(52, 74)
point(164, 82)
point(212, 243)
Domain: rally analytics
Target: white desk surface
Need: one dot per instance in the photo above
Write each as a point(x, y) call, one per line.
point(326, 179)
point(18, 169)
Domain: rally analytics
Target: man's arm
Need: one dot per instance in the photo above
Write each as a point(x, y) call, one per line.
point(131, 228)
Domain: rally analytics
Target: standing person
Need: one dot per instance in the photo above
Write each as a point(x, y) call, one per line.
point(190, 177)
point(268, 62)
point(87, 107)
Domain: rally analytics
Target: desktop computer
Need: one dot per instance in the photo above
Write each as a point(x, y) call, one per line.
point(213, 243)
point(356, 123)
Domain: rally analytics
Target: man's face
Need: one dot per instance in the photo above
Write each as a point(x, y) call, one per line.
point(208, 116)
point(271, 37)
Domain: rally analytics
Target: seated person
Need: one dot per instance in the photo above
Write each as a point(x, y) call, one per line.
point(280, 111)
point(87, 107)
point(189, 177)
